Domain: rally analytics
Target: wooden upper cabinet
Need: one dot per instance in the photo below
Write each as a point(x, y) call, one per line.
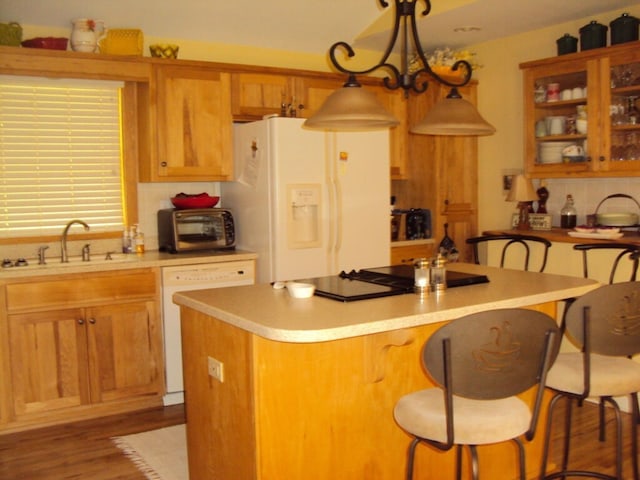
point(610, 80)
point(254, 95)
point(191, 110)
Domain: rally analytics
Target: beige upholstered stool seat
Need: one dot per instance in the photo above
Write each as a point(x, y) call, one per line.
point(476, 422)
point(610, 376)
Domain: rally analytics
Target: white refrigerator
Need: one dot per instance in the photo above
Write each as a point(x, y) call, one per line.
point(309, 203)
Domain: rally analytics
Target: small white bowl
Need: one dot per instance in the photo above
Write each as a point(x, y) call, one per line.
point(301, 290)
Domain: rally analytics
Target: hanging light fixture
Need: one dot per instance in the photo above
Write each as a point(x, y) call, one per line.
point(353, 108)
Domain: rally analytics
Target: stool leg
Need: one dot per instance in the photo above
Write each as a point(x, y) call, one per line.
point(547, 435)
point(410, 456)
point(567, 434)
point(521, 459)
point(474, 462)
point(635, 419)
point(602, 436)
point(459, 462)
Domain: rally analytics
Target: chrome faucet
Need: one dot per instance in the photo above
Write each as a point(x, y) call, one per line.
point(63, 240)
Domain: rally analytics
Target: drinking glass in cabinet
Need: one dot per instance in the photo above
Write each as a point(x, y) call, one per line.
point(625, 75)
point(625, 146)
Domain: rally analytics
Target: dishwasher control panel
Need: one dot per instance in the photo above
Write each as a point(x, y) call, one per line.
point(224, 274)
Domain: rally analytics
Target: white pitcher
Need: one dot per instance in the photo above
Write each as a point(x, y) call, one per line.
point(85, 34)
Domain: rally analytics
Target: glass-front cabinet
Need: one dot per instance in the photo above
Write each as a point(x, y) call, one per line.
point(582, 113)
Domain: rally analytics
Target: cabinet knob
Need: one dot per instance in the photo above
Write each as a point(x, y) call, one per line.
point(163, 164)
point(92, 320)
point(601, 158)
point(81, 321)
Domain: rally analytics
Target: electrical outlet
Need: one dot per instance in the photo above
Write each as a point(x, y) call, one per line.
point(216, 369)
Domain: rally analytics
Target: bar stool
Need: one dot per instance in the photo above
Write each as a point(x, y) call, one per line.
point(605, 325)
point(512, 242)
point(480, 363)
point(621, 250)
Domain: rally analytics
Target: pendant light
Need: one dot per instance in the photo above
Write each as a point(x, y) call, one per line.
point(353, 108)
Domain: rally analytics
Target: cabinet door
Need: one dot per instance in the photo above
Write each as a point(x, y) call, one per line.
point(408, 254)
point(396, 104)
point(125, 351)
point(620, 129)
point(313, 92)
point(194, 131)
point(254, 95)
point(544, 143)
point(48, 354)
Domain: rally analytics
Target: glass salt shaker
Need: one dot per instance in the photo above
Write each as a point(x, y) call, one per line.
point(422, 277)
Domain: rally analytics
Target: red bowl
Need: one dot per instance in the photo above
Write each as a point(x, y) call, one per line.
point(50, 43)
point(203, 200)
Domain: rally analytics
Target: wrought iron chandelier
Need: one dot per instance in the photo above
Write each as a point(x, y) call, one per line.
point(353, 108)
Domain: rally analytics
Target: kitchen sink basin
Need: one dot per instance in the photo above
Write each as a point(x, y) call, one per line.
point(97, 260)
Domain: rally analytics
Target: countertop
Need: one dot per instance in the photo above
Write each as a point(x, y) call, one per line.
point(557, 234)
point(123, 261)
point(275, 315)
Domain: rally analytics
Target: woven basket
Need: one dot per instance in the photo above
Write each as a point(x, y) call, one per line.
point(10, 34)
point(122, 41)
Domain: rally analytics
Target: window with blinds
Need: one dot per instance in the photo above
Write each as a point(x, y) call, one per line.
point(60, 155)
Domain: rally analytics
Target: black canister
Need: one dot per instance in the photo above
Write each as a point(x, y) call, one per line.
point(593, 35)
point(567, 44)
point(624, 29)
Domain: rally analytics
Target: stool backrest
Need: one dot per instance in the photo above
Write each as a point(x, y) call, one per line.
point(511, 243)
point(621, 249)
point(492, 354)
point(606, 320)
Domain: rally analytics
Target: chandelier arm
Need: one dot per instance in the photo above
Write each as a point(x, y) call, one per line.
point(391, 83)
point(404, 8)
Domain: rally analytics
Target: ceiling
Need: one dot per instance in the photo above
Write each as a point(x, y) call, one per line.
point(310, 25)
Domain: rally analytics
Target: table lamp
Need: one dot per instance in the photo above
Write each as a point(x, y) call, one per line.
point(522, 192)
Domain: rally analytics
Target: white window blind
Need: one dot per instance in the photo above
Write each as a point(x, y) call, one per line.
point(60, 155)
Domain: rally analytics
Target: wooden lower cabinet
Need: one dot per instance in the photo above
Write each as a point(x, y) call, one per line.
point(66, 362)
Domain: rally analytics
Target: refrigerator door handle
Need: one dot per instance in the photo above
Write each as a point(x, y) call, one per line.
point(335, 202)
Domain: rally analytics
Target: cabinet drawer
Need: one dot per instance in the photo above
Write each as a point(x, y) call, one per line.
point(80, 290)
point(408, 254)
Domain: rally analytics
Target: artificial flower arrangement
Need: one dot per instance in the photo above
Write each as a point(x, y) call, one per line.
point(442, 59)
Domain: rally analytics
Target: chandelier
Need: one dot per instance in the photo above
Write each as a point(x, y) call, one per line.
point(353, 108)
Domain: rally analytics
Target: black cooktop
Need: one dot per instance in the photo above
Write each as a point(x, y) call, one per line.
point(380, 282)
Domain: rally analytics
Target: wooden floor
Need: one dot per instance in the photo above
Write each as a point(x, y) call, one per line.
point(84, 450)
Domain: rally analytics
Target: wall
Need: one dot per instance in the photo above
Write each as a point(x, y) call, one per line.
point(500, 101)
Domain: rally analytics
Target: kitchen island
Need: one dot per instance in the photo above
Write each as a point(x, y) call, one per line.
point(309, 385)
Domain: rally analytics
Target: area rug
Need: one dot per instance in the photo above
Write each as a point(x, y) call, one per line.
point(159, 454)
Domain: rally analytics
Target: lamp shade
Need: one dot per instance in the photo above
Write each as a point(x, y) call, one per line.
point(453, 116)
point(521, 190)
point(351, 108)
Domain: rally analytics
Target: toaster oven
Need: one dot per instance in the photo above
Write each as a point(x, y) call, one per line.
point(195, 229)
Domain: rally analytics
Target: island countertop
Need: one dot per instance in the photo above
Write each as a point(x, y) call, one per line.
point(273, 314)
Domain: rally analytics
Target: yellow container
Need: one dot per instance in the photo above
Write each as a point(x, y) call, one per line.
point(122, 41)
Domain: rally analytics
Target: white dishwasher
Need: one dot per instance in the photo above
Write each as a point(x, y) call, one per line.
point(192, 277)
